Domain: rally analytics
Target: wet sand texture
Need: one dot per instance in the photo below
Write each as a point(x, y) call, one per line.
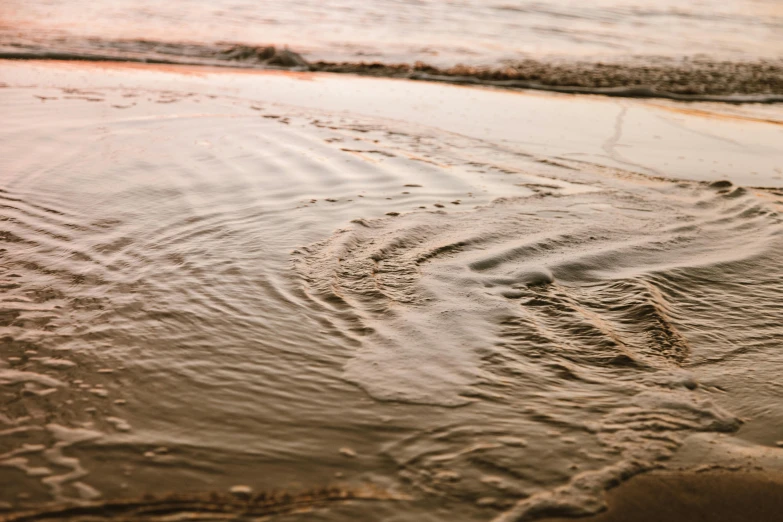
point(693, 497)
point(206, 290)
point(211, 506)
point(689, 80)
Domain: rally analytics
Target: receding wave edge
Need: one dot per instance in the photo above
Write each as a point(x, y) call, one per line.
point(689, 80)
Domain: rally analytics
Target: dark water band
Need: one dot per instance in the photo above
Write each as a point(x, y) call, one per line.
point(686, 80)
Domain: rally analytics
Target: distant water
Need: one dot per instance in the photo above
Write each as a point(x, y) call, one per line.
point(442, 33)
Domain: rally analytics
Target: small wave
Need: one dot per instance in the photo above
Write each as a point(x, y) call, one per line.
point(687, 80)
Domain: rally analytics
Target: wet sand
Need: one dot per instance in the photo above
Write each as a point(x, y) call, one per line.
point(688, 497)
point(690, 80)
point(702, 141)
point(376, 298)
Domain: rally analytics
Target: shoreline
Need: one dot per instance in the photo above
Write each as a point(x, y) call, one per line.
point(689, 80)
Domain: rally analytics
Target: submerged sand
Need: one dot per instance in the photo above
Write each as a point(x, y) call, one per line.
point(714, 496)
point(377, 299)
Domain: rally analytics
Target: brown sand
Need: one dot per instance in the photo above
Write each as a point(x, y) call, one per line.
point(717, 496)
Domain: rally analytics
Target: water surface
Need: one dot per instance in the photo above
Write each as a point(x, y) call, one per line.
point(435, 31)
point(203, 289)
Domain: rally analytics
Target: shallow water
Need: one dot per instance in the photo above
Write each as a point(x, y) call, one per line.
point(203, 290)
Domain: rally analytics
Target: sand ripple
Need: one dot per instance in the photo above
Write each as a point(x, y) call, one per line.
point(563, 320)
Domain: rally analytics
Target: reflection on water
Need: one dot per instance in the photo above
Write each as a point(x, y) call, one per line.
point(201, 292)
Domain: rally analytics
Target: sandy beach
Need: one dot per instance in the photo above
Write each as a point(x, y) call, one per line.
point(319, 296)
